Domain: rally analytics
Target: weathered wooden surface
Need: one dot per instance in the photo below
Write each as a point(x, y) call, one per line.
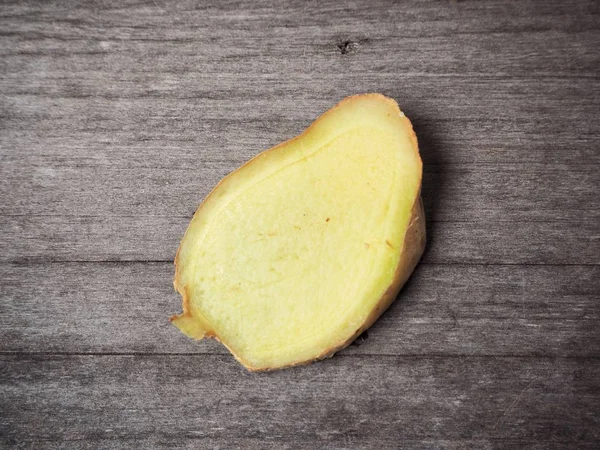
point(117, 118)
point(451, 310)
point(132, 401)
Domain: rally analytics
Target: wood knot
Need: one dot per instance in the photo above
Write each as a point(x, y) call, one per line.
point(346, 46)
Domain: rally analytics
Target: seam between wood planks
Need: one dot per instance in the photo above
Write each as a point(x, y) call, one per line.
point(25, 262)
point(189, 217)
point(362, 355)
point(270, 75)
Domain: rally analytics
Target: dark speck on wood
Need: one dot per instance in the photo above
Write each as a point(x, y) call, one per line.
point(346, 46)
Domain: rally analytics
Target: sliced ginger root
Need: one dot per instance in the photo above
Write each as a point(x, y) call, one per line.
point(297, 252)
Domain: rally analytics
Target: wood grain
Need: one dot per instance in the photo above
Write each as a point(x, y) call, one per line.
point(444, 310)
point(505, 192)
point(118, 118)
point(346, 402)
point(422, 37)
point(94, 238)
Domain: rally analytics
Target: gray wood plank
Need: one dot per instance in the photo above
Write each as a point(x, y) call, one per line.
point(156, 238)
point(348, 402)
point(246, 36)
point(233, 116)
point(456, 192)
point(162, 142)
point(444, 310)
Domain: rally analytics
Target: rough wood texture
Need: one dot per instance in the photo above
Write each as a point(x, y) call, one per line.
point(452, 310)
point(117, 118)
point(132, 401)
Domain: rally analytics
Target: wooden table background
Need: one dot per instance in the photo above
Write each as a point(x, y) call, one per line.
point(118, 117)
